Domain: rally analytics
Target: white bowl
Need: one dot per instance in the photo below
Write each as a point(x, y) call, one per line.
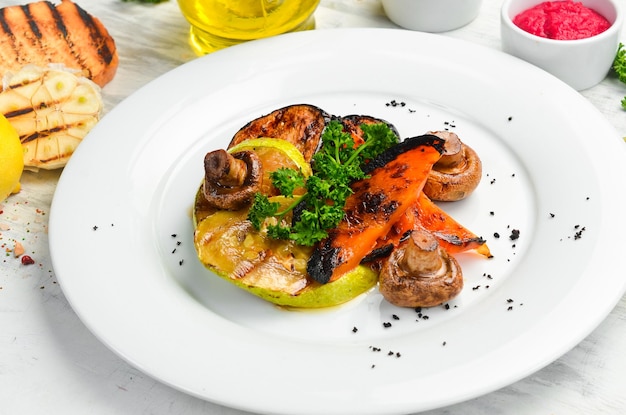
point(580, 63)
point(431, 15)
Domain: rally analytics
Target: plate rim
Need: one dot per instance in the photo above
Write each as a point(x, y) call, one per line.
point(240, 53)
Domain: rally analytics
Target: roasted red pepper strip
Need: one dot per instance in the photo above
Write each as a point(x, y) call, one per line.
point(452, 236)
point(427, 215)
point(396, 179)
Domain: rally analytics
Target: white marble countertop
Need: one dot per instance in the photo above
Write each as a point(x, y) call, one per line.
point(50, 362)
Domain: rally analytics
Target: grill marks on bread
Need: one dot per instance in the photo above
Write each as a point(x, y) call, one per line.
point(40, 33)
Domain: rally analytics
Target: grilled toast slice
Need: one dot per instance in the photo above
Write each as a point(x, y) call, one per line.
point(41, 33)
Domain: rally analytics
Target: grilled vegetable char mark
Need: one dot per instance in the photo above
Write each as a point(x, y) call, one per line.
point(396, 179)
point(301, 125)
point(41, 33)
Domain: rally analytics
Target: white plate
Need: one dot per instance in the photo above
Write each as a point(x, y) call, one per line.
point(552, 165)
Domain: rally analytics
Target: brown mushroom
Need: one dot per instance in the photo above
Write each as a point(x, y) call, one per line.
point(419, 273)
point(231, 180)
point(456, 174)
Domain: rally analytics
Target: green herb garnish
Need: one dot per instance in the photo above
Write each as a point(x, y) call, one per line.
point(619, 66)
point(335, 166)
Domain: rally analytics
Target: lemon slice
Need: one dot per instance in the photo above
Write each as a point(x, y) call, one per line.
point(275, 153)
point(11, 159)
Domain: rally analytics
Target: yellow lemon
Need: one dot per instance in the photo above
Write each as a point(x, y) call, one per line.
point(284, 154)
point(11, 159)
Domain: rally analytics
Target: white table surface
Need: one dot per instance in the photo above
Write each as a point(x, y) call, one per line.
point(51, 364)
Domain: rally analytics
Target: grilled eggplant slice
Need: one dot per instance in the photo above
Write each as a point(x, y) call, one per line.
point(302, 125)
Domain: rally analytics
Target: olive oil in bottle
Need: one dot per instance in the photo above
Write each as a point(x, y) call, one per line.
point(216, 24)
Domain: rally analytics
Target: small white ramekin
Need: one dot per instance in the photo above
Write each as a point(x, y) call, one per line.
point(580, 63)
point(431, 15)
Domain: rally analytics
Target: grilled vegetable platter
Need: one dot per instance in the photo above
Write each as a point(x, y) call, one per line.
point(307, 209)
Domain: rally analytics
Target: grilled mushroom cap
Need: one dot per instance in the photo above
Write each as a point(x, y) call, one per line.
point(456, 174)
point(419, 273)
point(231, 180)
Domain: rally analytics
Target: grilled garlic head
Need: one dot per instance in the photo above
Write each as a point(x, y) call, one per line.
point(52, 110)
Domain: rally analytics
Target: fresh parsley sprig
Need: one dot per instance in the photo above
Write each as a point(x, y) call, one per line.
point(335, 167)
point(619, 66)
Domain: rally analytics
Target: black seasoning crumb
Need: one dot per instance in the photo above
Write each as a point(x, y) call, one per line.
point(510, 118)
point(395, 103)
point(587, 198)
point(509, 300)
point(178, 243)
point(354, 329)
point(513, 175)
point(174, 235)
point(375, 349)
point(496, 235)
point(579, 234)
point(552, 215)
point(95, 228)
point(514, 234)
point(492, 181)
point(180, 262)
point(390, 353)
point(386, 324)
point(398, 355)
point(444, 343)
point(112, 225)
point(373, 366)
point(489, 277)
point(491, 213)
point(475, 288)
point(425, 318)
point(395, 317)
point(418, 309)
point(510, 308)
point(447, 306)
point(174, 250)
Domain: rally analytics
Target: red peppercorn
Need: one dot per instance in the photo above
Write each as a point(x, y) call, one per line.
point(26, 260)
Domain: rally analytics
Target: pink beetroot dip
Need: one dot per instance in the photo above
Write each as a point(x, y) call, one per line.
point(561, 20)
